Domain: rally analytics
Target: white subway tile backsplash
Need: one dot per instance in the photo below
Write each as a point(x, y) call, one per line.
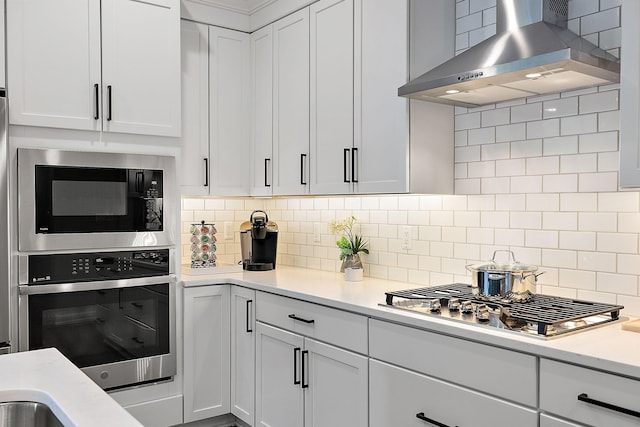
point(560, 220)
point(560, 108)
point(619, 202)
point(579, 8)
point(608, 162)
point(478, 5)
point(541, 239)
point(526, 112)
point(467, 186)
point(598, 142)
point(481, 236)
point(495, 185)
point(496, 151)
point(543, 165)
point(579, 163)
point(509, 237)
point(467, 121)
point(600, 181)
point(481, 169)
point(598, 102)
point(610, 39)
point(559, 258)
point(526, 220)
point(498, 116)
point(575, 125)
point(510, 202)
point(480, 34)
point(597, 261)
point(595, 221)
point(460, 138)
point(481, 136)
point(618, 242)
point(543, 202)
point(600, 21)
point(467, 154)
point(629, 222)
point(469, 22)
point(543, 128)
point(578, 240)
point(578, 279)
point(560, 183)
point(527, 148)
point(494, 219)
point(511, 167)
point(513, 132)
point(617, 283)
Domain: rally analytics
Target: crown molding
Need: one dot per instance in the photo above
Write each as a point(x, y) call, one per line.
point(245, 7)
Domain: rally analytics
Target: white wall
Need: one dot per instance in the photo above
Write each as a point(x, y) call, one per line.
point(537, 176)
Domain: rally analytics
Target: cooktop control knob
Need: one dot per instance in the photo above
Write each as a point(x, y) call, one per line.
point(454, 304)
point(434, 304)
point(466, 307)
point(482, 312)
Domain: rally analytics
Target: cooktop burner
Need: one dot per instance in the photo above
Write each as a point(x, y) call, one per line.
point(537, 315)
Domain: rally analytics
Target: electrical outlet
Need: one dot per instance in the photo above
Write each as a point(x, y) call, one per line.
point(227, 232)
point(406, 237)
point(317, 231)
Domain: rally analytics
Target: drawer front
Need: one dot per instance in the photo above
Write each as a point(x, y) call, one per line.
point(397, 396)
point(561, 384)
point(492, 370)
point(337, 327)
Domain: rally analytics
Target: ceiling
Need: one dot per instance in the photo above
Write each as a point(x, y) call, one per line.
point(242, 6)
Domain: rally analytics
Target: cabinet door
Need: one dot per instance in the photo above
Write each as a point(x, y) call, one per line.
point(229, 69)
point(243, 353)
point(331, 140)
point(629, 97)
point(206, 352)
point(279, 397)
point(53, 59)
point(336, 383)
point(382, 118)
point(194, 180)
point(398, 397)
point(548, 421)
point(141, 66)
point(262, 111)
point(291, 104)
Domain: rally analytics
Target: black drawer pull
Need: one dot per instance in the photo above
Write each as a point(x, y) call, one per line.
point(304, 384)
point(296, 350)
point(249, 325)
point(300, 319)
point(136, 304)
point(585, 398)
point(206, 171)
point(266, 172)
point(421, 416)
point(345, 162)
point(137, 340)
point(108, 103)
point(302, 174)
point(96, 90)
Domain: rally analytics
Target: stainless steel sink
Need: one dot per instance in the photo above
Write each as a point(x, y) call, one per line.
point(27, 414)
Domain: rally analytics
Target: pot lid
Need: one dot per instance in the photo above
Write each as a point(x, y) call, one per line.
point(512, 266)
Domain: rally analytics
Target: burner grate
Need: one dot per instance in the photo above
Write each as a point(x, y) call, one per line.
point(543, 310)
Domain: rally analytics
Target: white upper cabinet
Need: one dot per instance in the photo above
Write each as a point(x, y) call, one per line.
point(630, 97)
point(331, 137)
point(381, 117)
point(194, 166)
point(141, 66)
point(80, 65)
point(215, 94)
point(261, 120)
point(291, 104)
point(44, 89)
point(229, 71)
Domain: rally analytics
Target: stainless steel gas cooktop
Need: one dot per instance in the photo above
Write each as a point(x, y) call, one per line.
point(542, 316)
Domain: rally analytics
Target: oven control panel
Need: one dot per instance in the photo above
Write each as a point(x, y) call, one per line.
point(96, 266)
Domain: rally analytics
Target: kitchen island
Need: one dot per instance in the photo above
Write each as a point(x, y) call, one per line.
point(46, 376)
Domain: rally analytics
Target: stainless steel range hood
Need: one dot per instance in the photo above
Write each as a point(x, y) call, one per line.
point(532, 53)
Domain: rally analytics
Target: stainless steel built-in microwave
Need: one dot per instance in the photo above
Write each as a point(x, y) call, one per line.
point(81, 200)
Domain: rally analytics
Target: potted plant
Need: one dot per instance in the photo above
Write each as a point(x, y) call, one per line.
point(351, 244)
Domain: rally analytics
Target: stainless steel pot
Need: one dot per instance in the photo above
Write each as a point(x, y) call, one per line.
point(513, 280)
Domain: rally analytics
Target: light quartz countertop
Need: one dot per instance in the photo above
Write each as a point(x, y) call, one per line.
point(46, 376)
point(607, 348)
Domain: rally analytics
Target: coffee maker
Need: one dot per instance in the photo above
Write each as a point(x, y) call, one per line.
point(258, 242)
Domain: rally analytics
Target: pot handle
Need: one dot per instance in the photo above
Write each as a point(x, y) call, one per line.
point(513, 257)
point(535, 275)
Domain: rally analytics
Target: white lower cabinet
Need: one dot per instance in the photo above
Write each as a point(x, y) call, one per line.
point(304, 382)
point(243, 353)
point(399, 397)
point(588, 396)
point(206, 352)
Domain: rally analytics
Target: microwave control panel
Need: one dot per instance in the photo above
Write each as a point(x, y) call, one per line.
point(96, 266)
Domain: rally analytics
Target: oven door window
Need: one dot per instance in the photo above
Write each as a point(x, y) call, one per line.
point(105, 326)
point(95, 200)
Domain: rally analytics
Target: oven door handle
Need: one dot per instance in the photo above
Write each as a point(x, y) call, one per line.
point(93, 286)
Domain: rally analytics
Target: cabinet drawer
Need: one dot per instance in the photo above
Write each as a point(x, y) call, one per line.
point(462, 362)
point(561, 384)
point(548, 421)
point(397, 396)
point(337, 327)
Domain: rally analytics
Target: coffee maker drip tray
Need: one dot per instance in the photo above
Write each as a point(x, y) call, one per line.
point(258, 266)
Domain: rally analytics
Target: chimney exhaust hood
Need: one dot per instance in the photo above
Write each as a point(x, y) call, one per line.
point(532, 53)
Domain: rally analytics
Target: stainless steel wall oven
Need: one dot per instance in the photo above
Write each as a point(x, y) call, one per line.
point(111, 313)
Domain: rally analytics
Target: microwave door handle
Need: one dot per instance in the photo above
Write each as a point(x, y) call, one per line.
point(139, 181)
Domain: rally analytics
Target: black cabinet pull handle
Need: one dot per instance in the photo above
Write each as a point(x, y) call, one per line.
point(302, 157)
point(266, 172)
point(304, 353)
point(96, 94)
point(583, 397)
point(139, 182)
point(249, 329)
point(206, 171)
point(296, 350)
point(354, 153)
point(344, 164)
point(421, 416)
point(137, 340)
point(300, 319)
point(136, 304)
point(108, 103)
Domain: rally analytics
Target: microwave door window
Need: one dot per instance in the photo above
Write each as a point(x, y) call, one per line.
point(88, 198)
